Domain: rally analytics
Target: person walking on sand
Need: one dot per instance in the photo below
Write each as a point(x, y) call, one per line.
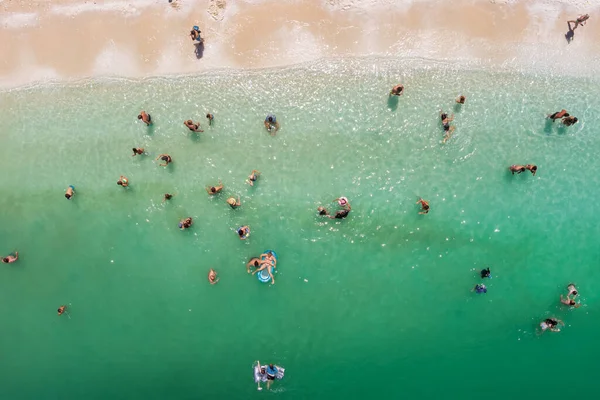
point(558, 115)
point(397, 90)
point(253, 177)
point(581, 20)
point(123, 181)
point(166, 158)
point(137, 151)
point(210, 118)
point(11, 258)
point(145, 117)
point(424, 206)
point(70, 192)
point(194, 127)
point(461, 99)
point(212, 276)
point(212, 190)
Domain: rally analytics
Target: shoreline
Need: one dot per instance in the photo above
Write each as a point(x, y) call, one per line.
point(512, 35)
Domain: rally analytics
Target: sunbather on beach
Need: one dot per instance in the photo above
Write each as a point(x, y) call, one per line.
point(570, 120)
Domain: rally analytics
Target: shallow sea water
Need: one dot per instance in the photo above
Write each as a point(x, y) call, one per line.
point(377, 305)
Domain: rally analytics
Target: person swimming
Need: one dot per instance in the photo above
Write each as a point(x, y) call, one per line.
point(558, 115)
point(61, 310)
point(212, 276)
point(570, 120)
point(569, 302)
point(185, 223)
point(485, 273)
point(552, 324)
point(233, 203)
point(271, 374)
point(424, 206)
point(253, 177)
point(166, 158)
point(212, 190)
point(11, 258)
point(243, 232)
point(517, 168)
point(322, 211)
point(572, 290)
point(340, 214)
point(254, 262)
point(194, 127)
point(167, 196)
point(145, 117)
point(123, 181)
point(397, 90)
point(461, 99)
point(532, 168)
point(479, 288)
point(342, 201)
point(70, 192)
point(448, 129)
point(271, 124)
point(137, 151)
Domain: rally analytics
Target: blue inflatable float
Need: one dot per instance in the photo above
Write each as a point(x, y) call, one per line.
point(263, 275)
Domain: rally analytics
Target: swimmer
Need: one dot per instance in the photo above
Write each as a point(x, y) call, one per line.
point(397, 90)
point(532, 168)
point(253, 177)
point(267, 264)
point(558, 115)
point(262, 374)
point(194, 127)
point(137, 151)
point(123, 181)
point(166, 158)
point(210, 118)
point(572, 290)
point(342, 201)
point(581, 20)
point(185, 223)
point(461, 99)
point(485, 273)
point(322, 211)
point(212, 190)
point(341, 214)
point(552, 324)
point(445, 118)
point(70, 192)
point(271, 124)
point(233, 203)
point(479, 288)
point(570, 120)
point(243, 232)
point(271, 374)
point(167, 196)
point(11, 258)
point(212, 276)
point(517, 168)
point(61, 310)
point(448, 129)
point(145, 117)
point(424, 206)
point(254, 262)
point(569, 302)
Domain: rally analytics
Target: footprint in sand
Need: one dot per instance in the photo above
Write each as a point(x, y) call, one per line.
point(216, 9)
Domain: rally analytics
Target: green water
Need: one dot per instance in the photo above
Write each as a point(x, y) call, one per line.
point(375, 306)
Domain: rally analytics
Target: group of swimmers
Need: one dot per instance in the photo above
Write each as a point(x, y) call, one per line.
point(339, 214)
point(567, 119)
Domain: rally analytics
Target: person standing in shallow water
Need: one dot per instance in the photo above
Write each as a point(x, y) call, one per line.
point(210, 118)
point(253, 177)
point(123, 181)
point(461, 99)
point(271, 124)
point(424, 206)
point(397, 90)
point(166, 158)
point(194, 127)
point(145, 117)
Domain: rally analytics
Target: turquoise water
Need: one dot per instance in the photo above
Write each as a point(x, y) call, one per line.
point(377, 305)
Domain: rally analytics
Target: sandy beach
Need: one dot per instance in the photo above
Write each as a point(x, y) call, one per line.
point(66, 39)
